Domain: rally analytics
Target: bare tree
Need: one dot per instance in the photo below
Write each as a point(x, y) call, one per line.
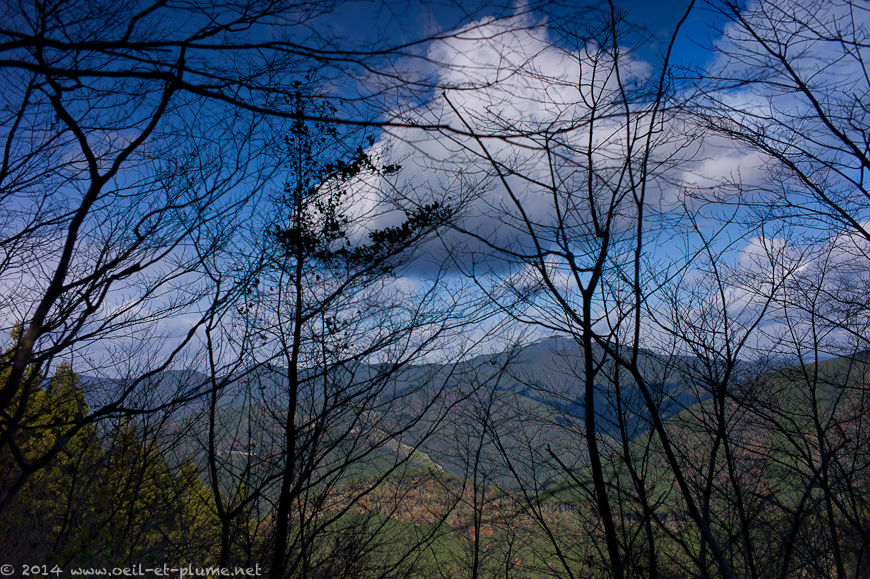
point(138, 138)
point(332, 341)
point(789, 87)
point(578, 200)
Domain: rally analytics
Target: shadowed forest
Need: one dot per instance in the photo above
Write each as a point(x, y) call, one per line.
point(382, 289)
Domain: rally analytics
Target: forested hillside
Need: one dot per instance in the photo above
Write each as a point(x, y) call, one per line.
point(295, 288)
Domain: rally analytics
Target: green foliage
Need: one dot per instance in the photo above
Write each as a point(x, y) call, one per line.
point(315, 198)
point(53, 508)
point(108, 498)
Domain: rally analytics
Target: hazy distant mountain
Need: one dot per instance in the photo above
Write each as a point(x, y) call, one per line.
point(541, 383)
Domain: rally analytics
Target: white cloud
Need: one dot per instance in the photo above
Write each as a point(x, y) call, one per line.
point(513, 85)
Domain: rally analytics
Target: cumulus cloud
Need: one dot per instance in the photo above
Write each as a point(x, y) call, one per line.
point(720, 163)
point(554, 134)
point(791, 77)
point(531, 103)
point(791, 295)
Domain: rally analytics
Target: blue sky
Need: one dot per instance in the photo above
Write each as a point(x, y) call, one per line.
point(659, 18)
point(369, 23)
point(548, 90)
